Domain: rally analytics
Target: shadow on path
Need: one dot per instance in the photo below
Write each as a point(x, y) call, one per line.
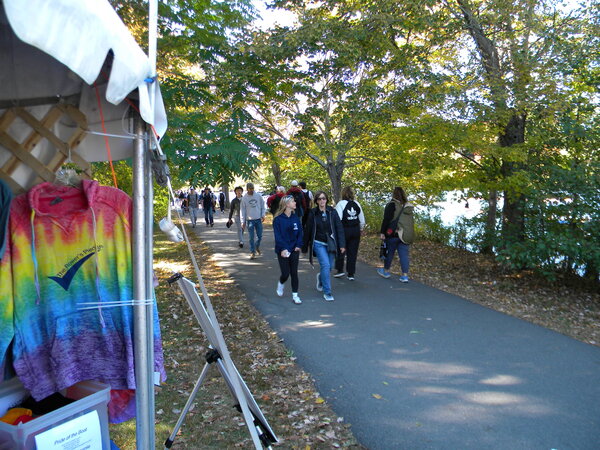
point(412, 367)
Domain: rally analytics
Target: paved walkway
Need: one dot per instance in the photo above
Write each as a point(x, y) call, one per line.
point(412, 367)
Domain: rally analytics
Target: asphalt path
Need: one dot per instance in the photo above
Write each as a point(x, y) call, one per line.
point(412, 367)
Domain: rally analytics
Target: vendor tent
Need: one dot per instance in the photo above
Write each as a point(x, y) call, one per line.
point(71, 74)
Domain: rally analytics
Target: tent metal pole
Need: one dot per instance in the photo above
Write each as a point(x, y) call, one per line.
point(149, 241)
point(152, 37)
point(144, 427)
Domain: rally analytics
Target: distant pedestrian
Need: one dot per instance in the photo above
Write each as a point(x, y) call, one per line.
point(287, 228)
point(397, 229)
point(298, 195)
point(222, 201)
point(180, 197)
point(253, 216)
point(274, 199)
point(324, 236)
point(214, 201)
point(353, 221)
point(194, 205)
point(208, 205)
point(234, 211)
point(308, 201)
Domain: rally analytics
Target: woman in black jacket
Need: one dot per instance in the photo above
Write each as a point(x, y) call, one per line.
point(324, 236)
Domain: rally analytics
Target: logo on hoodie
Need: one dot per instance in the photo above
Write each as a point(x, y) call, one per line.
point(65, 276)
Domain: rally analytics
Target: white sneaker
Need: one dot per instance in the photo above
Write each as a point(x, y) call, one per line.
point(319, 285)
point(339, 275)
point(328, 297)
point(279, 289)
point(296, 299)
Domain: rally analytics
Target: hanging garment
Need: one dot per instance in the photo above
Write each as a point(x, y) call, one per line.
point(5, 200)
point(70, 248)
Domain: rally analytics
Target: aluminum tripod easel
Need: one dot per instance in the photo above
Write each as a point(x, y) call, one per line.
point(261, 432)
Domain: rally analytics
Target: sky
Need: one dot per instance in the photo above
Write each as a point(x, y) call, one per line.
point(272, 17)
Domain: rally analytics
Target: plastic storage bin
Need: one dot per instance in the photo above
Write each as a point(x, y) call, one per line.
point(90, 396)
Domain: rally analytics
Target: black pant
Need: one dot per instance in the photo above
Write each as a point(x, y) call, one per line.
point(352, 242)
point(289, 266)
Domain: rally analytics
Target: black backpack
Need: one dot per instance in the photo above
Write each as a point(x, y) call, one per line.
point(307, 204)
point(350, 214)
point(275, 204)
point(299, 198)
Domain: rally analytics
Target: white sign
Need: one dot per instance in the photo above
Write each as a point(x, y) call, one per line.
point(82, 433)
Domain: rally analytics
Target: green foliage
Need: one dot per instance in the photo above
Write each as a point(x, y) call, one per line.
point(430, 227)
point(102, 173)
point(209, 140)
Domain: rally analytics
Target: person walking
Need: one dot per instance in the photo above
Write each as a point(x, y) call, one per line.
point(234, 211)
point(298, 195)
point(287, 228)
point(324, 236)
point(397, 229)
point(222, 201)
point(274, 199)
point(194, 205)
point(208, 205)
point(253, 215)
point(308, 201)
point(353, 221)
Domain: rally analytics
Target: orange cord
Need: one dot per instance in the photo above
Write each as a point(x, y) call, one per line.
point(138, 111)
point(112, 168)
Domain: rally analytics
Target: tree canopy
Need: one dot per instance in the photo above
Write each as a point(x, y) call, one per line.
point(495, 99)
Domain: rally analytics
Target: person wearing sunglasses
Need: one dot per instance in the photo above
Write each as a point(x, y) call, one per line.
point(324, 235)
point(287, 227)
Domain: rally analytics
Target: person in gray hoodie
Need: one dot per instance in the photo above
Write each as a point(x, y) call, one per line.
point(253, 215)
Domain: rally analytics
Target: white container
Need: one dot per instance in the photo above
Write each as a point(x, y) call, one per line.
point(173, 233)
point(89, 395)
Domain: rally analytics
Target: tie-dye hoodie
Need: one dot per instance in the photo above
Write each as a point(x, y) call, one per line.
point(69, 249)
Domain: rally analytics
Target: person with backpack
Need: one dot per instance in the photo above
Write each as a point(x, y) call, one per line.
point(298, 195)
point(235, 210)
point(397, 230)
point(308, 201)
point(194, 205)
point(274, 199)
point(222, 201)
point(353, 221)
point(208, 204)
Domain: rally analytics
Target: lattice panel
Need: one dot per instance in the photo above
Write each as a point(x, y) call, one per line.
point(40, 130)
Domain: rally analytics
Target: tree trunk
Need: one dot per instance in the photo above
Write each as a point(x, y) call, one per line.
point(335, 172)
point(276, 169)
point(489, 237)
point(513, 212)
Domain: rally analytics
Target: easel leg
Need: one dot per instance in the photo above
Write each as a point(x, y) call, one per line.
point(188, 405)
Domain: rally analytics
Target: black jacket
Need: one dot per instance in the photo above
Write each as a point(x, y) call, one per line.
point(310, 229)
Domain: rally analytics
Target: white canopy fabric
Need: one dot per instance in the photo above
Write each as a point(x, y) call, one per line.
point(55, 51)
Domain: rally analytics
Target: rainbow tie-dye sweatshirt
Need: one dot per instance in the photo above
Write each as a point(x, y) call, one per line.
point(68, 249)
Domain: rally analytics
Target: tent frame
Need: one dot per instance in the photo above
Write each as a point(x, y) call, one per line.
point(144, 145)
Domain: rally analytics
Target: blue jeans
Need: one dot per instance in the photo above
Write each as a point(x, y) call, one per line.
point(238, 224)
point(255, 226)
point(208, 215)
point(194, 215)
point(326, 262)
point(394, 244)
